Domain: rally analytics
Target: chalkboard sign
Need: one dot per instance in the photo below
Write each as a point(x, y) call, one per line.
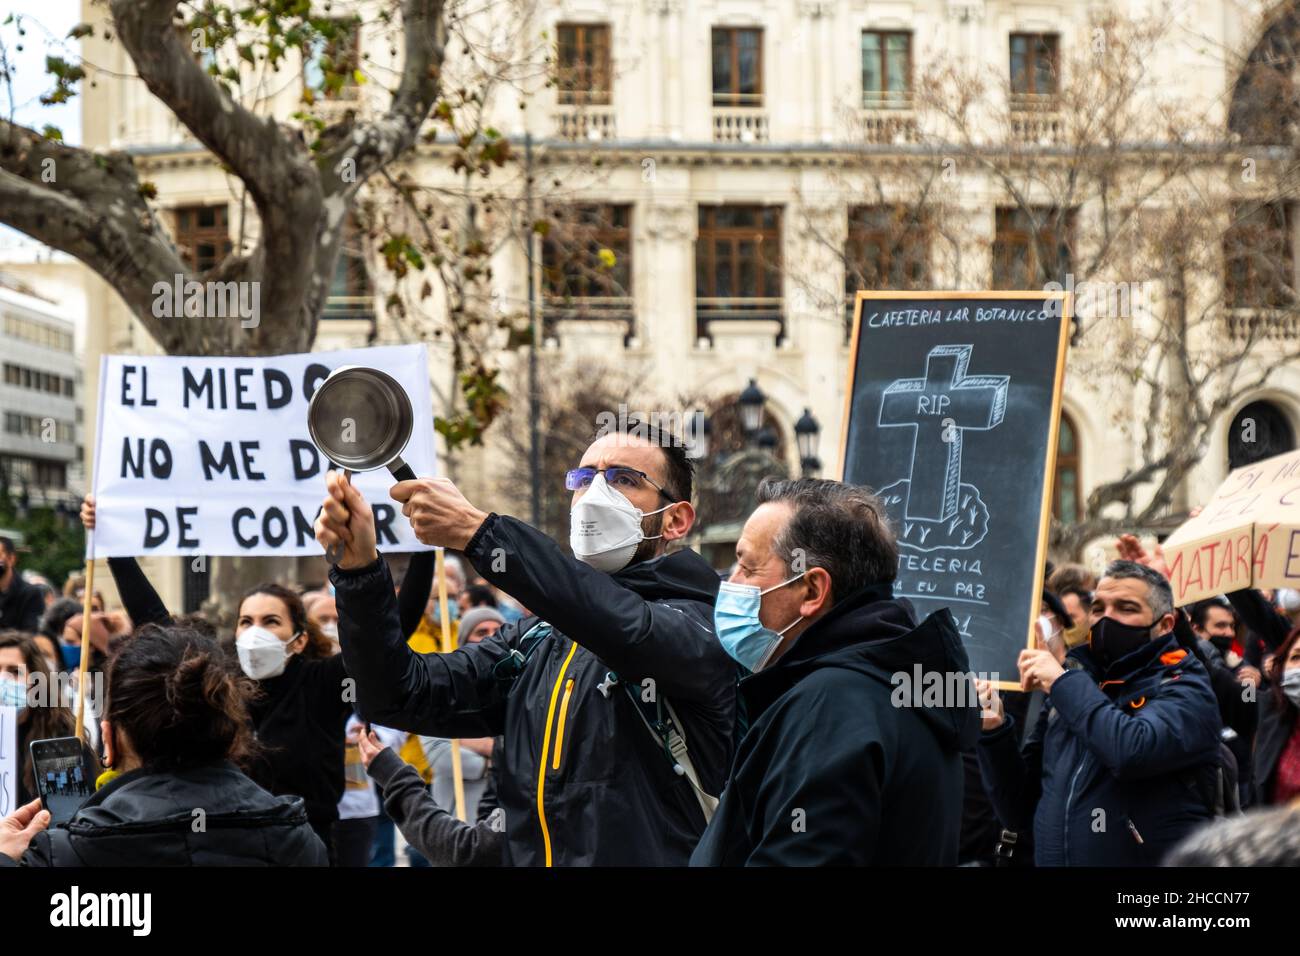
point(952, 408)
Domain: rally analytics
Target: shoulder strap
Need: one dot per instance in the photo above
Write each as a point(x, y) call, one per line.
point(670, 734)
point(677, 747)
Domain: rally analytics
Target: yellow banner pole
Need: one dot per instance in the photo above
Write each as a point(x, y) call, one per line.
point(457, 773)
point(85, 642)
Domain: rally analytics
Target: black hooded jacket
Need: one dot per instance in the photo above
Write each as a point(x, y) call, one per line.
point(833, 771)
point(580, 778)
point(146, 818)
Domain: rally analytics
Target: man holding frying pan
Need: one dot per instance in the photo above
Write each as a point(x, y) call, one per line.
point(616, 702)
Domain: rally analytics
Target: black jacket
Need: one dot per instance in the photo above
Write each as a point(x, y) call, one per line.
point(146, 818)
point(21, 606)
point(1267, 628)
point(300, 719)
point(1114, 773)
point(831, 771)
point(580, 779)
point(1275, 730)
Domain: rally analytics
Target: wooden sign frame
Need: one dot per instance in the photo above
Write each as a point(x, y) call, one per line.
point(1054, 425)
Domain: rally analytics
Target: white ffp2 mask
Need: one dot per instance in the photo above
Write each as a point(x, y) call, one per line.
point(261, 654)
point(605, 528)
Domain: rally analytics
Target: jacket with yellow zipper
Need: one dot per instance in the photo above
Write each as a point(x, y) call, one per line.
point(582, 781)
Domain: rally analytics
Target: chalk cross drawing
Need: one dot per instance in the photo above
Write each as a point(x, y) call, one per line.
point(946, 400)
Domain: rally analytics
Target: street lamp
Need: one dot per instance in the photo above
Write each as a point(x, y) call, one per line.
point(806, 433)
point(751, 403)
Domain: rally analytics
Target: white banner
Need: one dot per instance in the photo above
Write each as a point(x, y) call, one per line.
point(10, 760)
point(211, 456)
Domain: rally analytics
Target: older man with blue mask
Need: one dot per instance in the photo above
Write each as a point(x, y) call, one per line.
point(838, 766)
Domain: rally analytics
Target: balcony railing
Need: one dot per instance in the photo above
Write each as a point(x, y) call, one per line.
point(731, 308)
point(739, 125)
point(584, 123)
point(1262, 324)
point(889, 126)
point(1036, 118)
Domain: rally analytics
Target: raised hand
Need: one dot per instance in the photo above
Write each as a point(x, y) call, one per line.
point(439, 513)
point(1038, 670)
point(1130, 549)
point(370, 747)
point(346, 525)
point(991, 715)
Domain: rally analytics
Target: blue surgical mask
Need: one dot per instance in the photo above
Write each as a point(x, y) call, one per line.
point(13, 693)
point(742, 634)
point(1291, 685)
point(71, 656)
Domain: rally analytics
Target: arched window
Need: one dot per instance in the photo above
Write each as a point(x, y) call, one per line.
point(1065, 489)
point(1260, 430)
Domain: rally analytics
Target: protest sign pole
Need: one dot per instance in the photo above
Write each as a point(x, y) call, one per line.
point(83, 667)
point(457, 773)
point(85, 634)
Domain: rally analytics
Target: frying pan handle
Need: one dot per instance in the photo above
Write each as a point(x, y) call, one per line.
point(334, 554)
point(401, 470)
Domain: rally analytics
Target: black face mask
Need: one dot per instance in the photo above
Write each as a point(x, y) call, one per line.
point(1223, 644)
point(1110, 640)
point(3, 568)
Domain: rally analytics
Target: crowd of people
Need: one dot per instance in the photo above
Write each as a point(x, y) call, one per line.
point(621, 703)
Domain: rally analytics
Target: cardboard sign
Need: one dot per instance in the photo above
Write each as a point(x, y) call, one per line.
point(1248, 536)
point(211, 456)
point(953, 404)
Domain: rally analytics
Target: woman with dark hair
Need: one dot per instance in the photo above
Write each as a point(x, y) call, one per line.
point(1277, 741)
point(175, 727)
point(303, 708)
point(27, 679)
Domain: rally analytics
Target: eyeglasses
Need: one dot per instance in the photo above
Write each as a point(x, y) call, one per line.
point(616, 476)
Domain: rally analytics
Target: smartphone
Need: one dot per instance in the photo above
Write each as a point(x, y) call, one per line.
point(63, 776)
